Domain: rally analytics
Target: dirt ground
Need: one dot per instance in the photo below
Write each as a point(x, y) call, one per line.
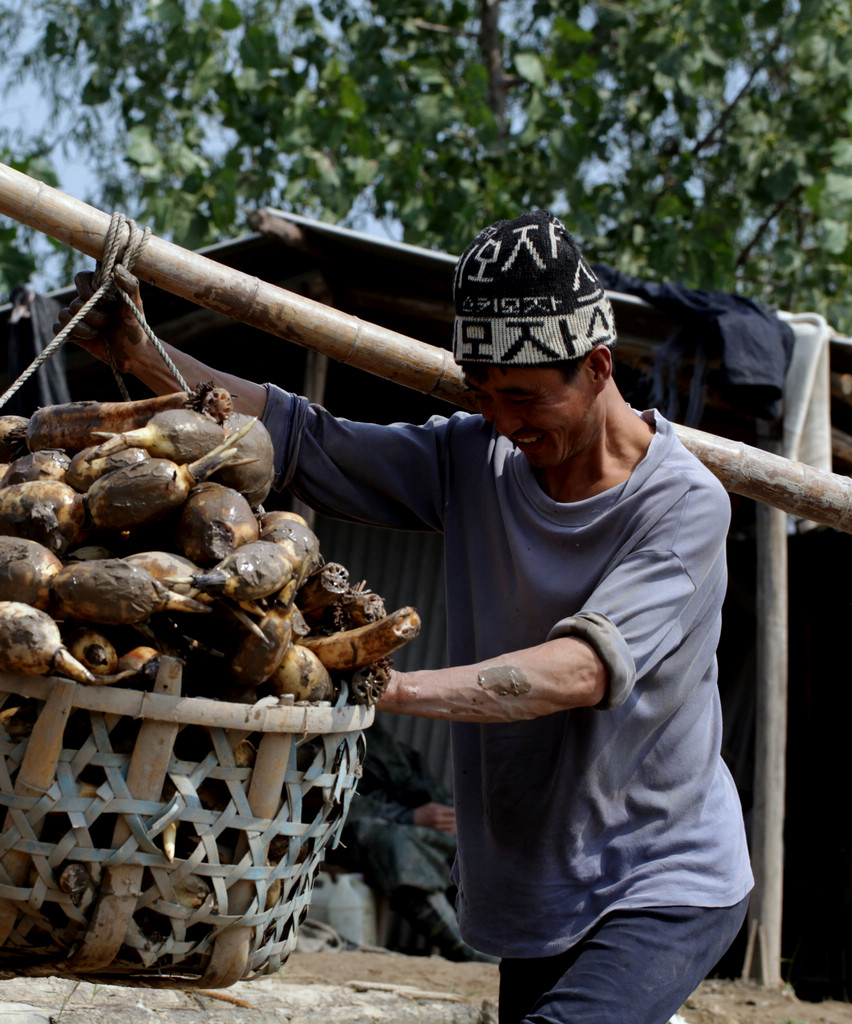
point(360, 987)
point(715, 1002)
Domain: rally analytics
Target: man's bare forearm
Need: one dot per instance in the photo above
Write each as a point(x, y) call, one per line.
point(557, 675)
point(248, 397)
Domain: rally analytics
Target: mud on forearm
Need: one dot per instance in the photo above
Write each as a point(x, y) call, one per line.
point(560, 674)
point(494, 693)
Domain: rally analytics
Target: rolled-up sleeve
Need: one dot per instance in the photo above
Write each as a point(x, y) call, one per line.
point(610, 646)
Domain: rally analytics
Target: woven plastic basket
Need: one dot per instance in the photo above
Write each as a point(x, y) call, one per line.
point(99, 781)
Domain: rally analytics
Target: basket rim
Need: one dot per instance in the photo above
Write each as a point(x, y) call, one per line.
point(260, 717)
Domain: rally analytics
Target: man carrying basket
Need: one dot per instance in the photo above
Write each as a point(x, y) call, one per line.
point(601, 848)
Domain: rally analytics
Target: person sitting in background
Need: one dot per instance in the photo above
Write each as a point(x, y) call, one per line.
point(400, 834)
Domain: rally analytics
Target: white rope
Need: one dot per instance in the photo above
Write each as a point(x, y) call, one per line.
point(115, 252)
point(54, 346)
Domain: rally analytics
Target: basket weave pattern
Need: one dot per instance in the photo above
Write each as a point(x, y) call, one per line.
point(94, 779)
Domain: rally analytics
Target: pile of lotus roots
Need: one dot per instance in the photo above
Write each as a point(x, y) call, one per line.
point(133, 530)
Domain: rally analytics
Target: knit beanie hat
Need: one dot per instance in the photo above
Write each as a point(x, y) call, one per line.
point(525, 296)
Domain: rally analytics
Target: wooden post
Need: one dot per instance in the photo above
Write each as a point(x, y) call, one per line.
point(763, 963)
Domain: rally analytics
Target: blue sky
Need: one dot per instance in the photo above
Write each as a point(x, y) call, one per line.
point(25, 112)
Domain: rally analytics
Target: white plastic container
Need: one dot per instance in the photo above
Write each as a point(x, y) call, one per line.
point(345, 902)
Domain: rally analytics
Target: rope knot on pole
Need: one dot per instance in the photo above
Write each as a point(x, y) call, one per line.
point(121, 248)
point(124, 252)
point(117, 251)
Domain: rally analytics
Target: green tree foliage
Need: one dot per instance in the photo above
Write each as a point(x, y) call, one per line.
point(699, 141)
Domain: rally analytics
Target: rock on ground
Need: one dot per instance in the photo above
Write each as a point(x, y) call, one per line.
point(276, 999)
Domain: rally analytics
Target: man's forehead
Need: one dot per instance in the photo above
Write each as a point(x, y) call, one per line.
point(509, 378)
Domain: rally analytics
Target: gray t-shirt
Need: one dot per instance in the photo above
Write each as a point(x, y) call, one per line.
point(570, 815)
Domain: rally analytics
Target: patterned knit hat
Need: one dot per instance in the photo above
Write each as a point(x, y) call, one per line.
point(525, 296)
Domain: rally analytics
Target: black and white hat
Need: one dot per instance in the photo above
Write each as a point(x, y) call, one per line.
point(525, 296)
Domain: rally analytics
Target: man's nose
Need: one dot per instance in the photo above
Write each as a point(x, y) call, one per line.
point(506, 421)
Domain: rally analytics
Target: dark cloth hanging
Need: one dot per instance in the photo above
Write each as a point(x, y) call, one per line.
point(30, 332)
point(754, 346)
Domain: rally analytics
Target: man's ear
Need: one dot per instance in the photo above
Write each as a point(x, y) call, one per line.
point(599, 361)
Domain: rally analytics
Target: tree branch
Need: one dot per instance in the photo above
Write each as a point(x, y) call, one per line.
point(709, 136)
point(763, 227)
point(490, 46)
point(431, 26)
point(725, 114)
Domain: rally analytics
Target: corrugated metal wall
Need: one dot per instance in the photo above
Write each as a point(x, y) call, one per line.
point(404, 569)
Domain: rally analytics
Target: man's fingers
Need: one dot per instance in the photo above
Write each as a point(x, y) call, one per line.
point(128, 283)
point(96, 317)
point(105, 323)
point(93, 323)
point(84, 283)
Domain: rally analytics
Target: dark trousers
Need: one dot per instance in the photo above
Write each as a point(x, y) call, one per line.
point(634, 967)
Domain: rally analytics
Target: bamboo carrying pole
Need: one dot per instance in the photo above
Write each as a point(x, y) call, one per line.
point(793, 487)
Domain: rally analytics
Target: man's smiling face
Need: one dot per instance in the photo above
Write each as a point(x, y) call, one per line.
point(549, 419)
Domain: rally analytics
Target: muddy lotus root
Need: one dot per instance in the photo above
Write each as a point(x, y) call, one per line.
point(134, 530)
